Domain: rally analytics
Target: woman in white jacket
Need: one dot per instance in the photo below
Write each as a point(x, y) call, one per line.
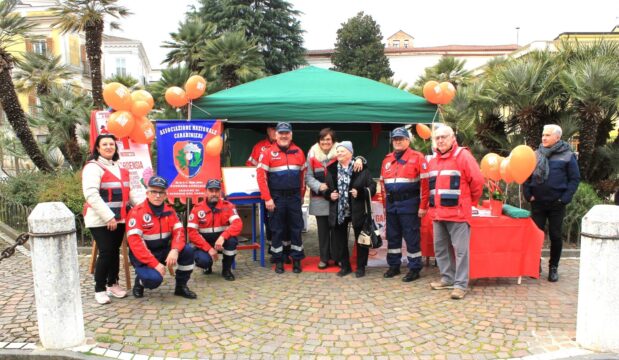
point(108, 194)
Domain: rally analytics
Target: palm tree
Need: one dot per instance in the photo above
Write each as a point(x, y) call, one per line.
point(127, 80)
point(529, 89)
point(38, 72)
point(88, 16)
point(235, 59)
point(12, 27)
point(62, 111)
point(173, 76)
point(188, 43)
point(593, 85)
point(447, 69)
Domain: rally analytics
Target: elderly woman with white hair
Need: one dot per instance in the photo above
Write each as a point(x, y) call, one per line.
point(347, 192)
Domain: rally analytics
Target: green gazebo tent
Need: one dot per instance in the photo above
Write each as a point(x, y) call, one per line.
point(312, 98)
point(314, 95)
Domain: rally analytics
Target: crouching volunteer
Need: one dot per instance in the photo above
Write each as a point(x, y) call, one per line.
point(157, 239)
point(213, 226)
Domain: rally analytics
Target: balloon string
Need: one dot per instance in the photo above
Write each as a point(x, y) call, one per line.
point(189, 110)
point(199, 108)
point(519, 197)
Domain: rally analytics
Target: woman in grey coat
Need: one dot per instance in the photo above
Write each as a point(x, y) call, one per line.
point(321, 155)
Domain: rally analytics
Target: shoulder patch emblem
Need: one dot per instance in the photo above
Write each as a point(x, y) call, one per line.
point(263, 148)
point(201, 214)
point(274, 153)
point(147, 218)
point(132, 222)
point(387, 166)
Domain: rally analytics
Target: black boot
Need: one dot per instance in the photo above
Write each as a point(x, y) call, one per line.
point(411, 275)
point(279, 267)
point(138, 289)
point(344, 270)
point(183, 290)
point(360, 272)
point(226, 268)
point(208, 270)
point(296, 266)
point(553, 274)
point(393, 271)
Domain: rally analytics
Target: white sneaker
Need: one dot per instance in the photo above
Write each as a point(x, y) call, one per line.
point(116, 291)
point(102, 298)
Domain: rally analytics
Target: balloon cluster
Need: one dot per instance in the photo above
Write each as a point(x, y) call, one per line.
point(195, 87)
point(436, 93)
point(423, 131)
point(518, 166)
point(129, 119)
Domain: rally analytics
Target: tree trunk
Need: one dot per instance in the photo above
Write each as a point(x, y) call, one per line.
point(93, 52)
point(73, 150)
point(17, 119)
point(586, 145)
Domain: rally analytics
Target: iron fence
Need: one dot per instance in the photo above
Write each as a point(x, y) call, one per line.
point(16, 216)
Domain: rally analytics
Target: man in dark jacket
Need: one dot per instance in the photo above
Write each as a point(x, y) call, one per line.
point(550, 188)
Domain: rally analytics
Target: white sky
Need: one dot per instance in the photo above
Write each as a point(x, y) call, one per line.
point(431, 23)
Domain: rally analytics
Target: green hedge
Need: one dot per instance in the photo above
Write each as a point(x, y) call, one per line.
point(584, 199)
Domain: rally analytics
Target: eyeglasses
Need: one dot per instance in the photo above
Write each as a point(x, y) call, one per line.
point(157, 193)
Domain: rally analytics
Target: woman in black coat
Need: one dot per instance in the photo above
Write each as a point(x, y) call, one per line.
point(347, 194)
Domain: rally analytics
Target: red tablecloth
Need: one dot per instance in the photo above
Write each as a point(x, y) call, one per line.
point(500, 246)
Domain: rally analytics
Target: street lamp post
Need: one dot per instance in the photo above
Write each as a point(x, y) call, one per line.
point(517, 35)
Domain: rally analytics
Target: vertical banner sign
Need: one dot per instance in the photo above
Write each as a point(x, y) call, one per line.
point(133, 156)
point(188, 154)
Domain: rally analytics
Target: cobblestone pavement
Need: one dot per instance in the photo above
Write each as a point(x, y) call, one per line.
point(313, 315)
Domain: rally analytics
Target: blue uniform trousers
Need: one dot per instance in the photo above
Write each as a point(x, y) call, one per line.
point(151, 278)
point(286, 225)
point(204, 260)
point(405, 226)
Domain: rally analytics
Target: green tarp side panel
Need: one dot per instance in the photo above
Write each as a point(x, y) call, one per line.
point(317, 96)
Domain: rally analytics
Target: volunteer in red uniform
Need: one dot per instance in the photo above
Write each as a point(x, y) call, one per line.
point(260, 147)
point(107, 192)
point(404, 175)
point(280, 174)
point(213, 226)
point(156, 238)
point(456, 183)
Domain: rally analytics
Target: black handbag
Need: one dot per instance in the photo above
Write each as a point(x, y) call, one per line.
point(369, 236)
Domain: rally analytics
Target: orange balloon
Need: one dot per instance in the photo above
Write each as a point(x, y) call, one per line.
point(176, 96)
point(195, 87)
point(214, 146)
point(430, 91)
point(448, 92)
point(117, 96)
point(143, 131)
point(522, 163)
point(505, 172)
point(423, 131)
point(491, 166)
point(143, 95)
point(120, 123)
point(140, 108)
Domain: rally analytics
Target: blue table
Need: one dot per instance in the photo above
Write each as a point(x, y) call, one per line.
point(255, 202)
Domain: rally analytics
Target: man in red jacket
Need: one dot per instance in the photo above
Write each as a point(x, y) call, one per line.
point(157, 237)
point(456, 183)
point(404, 177)
point(213, 226)
point(260, 147)
point(280, 174)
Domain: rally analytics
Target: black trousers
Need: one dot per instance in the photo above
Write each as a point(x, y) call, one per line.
point(324, 238)
point(553, 212)
point(108, 262)
point(340, 245)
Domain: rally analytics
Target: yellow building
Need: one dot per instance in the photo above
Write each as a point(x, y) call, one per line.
point(612, 35)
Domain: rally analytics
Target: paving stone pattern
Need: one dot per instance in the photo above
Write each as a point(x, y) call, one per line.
point(313, 315)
